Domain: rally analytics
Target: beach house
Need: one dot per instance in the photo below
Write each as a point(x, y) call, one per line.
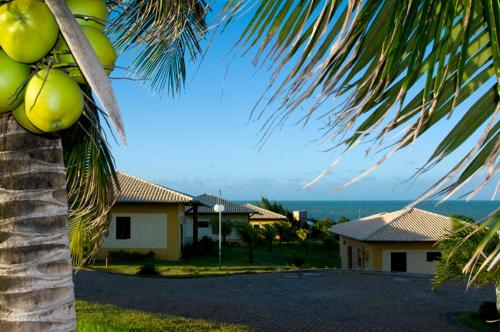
point(146, 217)
point(205, 215)
point(400, 241)
point(264, 216)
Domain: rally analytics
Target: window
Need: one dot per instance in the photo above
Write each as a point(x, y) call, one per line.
point(122, 228)
point(202, 224)
point(256, 226)
point(433, 256)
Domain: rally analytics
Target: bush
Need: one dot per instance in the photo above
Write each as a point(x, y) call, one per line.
point(188, 251)
point(330, 242)
point(206, 245)
point(131, 256)
point(488, 311)
point(148, 270)
point(296, 259)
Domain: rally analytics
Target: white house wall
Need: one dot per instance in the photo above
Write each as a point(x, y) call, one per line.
point(147, 230)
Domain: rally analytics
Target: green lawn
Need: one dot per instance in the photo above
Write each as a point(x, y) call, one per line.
point(234, 261)
point(108, 318)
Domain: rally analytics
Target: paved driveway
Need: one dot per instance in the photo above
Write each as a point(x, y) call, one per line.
point(323, 301)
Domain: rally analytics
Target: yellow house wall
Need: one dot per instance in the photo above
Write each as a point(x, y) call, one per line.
point(263, 221)
point(378, 254)
point(173, 213)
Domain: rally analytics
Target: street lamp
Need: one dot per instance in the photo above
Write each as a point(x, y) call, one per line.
point(219, 208)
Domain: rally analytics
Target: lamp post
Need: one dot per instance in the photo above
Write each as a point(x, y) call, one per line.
point(219, 208)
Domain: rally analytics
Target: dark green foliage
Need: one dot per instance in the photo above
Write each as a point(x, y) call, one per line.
point(131, 255)
point(303, 236)
point(476, 323)
point(269, 233)
point(275, 207)
point(330, 242)
point(297, 260)
point(342, 220)
point(488, 311)
point(188, 251)
point(284, 229)
point(457, 247)
point(206, 245)
point(148, 270)
point(321, 228)
point(249, 236)
point(227, 227)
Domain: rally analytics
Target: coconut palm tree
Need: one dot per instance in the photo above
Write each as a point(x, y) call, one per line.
point(284, 229)
point(249, 236)
point(269, 233)
point(397, 70)
point(226, 229)
point(49, 183)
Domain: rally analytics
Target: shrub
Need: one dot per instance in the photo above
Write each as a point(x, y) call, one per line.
point(302, 235)
point(131, 256)
point(488, 311)
point(296, 259)
point(330, 242)
point(206, 245)
point(148, 270)
point(188, 251)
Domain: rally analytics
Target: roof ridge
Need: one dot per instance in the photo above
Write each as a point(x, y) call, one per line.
point(156, 185)
point(261, 208)
point(405, 212)
point(429, 212)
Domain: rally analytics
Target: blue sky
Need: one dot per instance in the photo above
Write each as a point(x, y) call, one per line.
point(203, 140)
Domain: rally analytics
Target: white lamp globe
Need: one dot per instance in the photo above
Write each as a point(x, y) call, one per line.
point(219, 208)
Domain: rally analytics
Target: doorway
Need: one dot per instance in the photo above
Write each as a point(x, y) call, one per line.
point(398, 262)
point(349, 256)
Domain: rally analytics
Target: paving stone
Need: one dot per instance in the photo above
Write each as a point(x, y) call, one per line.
point(291, 302)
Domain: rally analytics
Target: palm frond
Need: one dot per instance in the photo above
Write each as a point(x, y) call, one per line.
point(163, 34)
point(394, 66)
point(91, 179)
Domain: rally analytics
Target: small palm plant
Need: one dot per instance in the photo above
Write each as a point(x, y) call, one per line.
point(269, 232)
point(284, 229)
point(249, 236)
point(458, 246)
point(226, 228)
point(302, 235)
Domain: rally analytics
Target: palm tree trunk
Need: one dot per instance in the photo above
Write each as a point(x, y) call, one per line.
point(36, 285)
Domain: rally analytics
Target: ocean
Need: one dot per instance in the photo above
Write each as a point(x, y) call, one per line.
point(357, 209)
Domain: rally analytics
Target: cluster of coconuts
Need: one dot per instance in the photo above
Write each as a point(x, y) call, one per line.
point(39, 78)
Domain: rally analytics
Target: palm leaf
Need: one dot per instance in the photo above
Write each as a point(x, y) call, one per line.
point(91, 181)
point(397, 66)
point(164, 35)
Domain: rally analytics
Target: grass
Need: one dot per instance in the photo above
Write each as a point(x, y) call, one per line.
point(93, 317)
point(473, 321)
point(234, 260)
